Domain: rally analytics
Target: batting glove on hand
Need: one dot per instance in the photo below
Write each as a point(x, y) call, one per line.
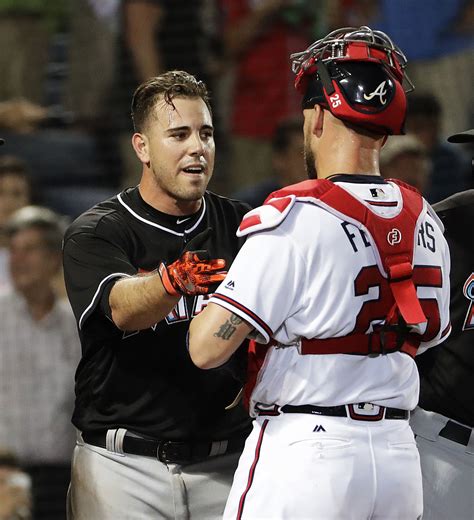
point(193, 272)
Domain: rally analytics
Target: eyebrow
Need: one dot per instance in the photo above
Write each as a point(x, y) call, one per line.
point(181, 128)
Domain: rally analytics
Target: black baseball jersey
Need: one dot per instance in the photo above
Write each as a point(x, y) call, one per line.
point(447, 371)
point(145, 380)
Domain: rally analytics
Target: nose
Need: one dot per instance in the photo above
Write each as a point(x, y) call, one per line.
point(196, 145)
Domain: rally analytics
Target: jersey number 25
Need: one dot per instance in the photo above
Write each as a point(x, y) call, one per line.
point(376, 310)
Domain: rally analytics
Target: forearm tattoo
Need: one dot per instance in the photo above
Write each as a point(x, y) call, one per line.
point(227, 329)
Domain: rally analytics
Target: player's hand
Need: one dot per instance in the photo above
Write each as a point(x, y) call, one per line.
point(193, 272)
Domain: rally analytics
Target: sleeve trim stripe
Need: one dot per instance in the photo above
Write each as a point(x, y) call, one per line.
point(265, 338)
point(93, 303)
point(446, 331)
point(255, 319)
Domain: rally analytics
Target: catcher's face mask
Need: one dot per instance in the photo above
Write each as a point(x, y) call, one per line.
point(357, 74)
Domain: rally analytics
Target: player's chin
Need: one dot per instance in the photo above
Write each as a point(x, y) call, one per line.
point(196, 184)
point(191, 193)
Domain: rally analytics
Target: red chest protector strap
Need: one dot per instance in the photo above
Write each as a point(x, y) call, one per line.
point(394, 240)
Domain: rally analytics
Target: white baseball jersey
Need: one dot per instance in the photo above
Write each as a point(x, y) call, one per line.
point(306, 272)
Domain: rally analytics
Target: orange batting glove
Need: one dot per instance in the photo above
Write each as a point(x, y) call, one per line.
point(191, 274)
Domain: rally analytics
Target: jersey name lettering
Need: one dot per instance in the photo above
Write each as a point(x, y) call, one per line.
point(358, 239)
point(426, 237)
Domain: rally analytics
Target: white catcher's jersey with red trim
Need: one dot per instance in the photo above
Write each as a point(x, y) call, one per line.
point(309, 273)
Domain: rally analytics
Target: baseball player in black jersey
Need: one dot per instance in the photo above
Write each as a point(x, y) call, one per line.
point(444, 420)
point(158, 438)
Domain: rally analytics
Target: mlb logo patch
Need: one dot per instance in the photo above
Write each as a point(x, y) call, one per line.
point(377, 193)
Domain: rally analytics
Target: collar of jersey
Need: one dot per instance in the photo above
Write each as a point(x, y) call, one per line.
point(132, 201)
point(357, 178)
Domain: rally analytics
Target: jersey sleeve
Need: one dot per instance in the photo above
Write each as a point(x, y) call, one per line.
point(91, 265)
point(265, 282)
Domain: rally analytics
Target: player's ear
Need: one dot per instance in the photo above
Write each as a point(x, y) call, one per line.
point(317, 121)
point(140, 145)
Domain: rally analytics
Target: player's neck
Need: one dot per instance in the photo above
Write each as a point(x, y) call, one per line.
point(349, 160)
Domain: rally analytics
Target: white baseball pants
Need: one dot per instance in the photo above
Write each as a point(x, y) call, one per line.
point(298, 466)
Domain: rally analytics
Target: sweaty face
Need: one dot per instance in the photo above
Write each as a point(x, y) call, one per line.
point(181, 148)
point(32, 263)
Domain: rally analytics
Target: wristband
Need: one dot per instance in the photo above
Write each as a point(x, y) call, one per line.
point(166, 280)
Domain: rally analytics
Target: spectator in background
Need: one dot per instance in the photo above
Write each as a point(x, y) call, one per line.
point(438, 39)
point(91, 63)
point(39, 350)
point(287, 161)
point(404, 157)
point(70, 174)
point(26, 27)
point(450, 171)
point(259, 37)
point(15, 192)
point(352, 13)
point(15, 489)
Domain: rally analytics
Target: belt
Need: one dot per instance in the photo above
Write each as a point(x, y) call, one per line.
point(456, 432)
point(178, 452)
point(358, 412)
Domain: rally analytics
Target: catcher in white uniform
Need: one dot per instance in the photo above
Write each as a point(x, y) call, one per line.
point(345, 277)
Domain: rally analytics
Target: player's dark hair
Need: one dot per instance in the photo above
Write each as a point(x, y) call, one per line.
point(52, 225)
point(169, 85)
point(284, 131)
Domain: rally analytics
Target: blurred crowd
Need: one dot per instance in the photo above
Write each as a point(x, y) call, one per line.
point(69, 69)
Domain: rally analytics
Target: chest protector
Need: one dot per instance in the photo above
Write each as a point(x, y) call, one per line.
point(393, 241)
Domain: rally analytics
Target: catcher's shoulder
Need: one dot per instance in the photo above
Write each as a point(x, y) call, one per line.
point(268, 216)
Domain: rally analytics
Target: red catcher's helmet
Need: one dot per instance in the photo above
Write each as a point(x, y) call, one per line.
point(357, 74)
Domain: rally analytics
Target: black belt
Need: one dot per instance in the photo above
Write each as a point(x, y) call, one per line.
point(356, 411)
point(178, 452)
point(456, 432)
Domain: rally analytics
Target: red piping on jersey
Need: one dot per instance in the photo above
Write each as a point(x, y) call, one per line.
point(248, 312)
point(252, 470)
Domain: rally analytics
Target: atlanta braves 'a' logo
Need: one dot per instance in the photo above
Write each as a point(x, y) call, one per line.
point(468, 291)
point(380, 91)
